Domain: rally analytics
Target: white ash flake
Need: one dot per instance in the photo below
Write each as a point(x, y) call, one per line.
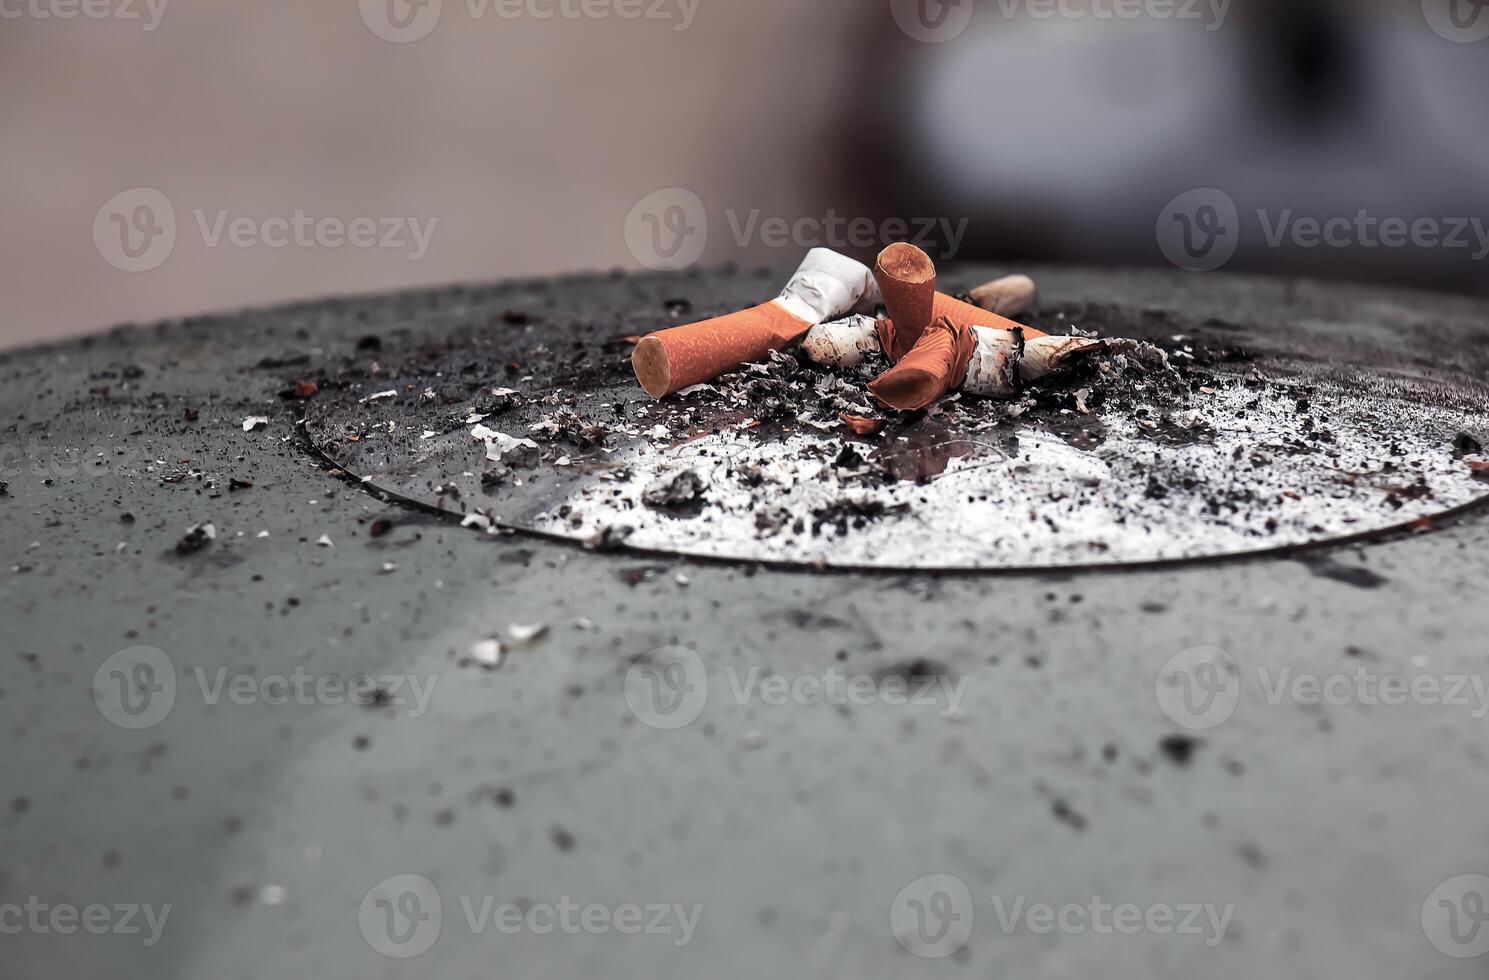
point(254, 422)
point(498, 443)
point(1232, 483)
point(487, 653)
point(526, 632)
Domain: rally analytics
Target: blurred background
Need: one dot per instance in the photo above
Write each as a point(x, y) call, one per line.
point(170, 157)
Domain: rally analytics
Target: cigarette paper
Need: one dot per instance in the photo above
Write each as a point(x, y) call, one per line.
point(993, 370)
point(907, 280)
point(935, 365)
point(842, 343)
point(826, 286)
point(1047, 356)
point(1009, 296)
point(965, 314)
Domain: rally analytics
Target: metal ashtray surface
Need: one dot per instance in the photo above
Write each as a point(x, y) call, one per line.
point(1193, 439)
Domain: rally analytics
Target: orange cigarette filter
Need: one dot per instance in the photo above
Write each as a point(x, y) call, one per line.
point(907, 281)
point(967, 315)
point(670, 360)
point(936, 365)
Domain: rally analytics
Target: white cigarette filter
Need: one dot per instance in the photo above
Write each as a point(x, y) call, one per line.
point(842, 343)
point(826, 286)
point(1003, 361)
point(1010, 296)
point(993, 371)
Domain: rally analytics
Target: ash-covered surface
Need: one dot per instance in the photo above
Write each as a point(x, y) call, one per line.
point(1188, 438)
point(799, 826)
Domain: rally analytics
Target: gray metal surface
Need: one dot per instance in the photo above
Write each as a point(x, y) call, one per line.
point(795, 826)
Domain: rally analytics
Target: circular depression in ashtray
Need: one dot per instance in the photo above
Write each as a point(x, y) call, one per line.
point(1256, 442)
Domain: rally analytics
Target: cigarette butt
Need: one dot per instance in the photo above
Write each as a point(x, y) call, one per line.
point(827, 285)
point(1048, 356)
point(1010, 296)
point(670, 360)
point(935, 365)
point(993, 370)
point(907, 281)
point(842, 343)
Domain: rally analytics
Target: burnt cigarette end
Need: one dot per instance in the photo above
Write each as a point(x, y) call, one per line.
point(1046, 357)
point(993, 371)
point(907, 264)
point(842, 343)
